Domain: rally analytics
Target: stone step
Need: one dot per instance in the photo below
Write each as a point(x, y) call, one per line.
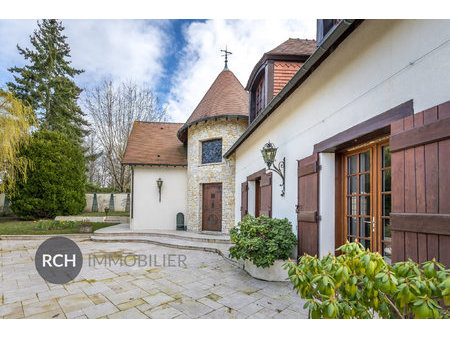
point(219, 248)
point(123, 230)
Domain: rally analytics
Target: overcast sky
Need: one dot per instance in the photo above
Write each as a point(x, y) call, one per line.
point(178, 59)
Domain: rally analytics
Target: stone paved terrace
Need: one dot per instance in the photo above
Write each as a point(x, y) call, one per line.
point(208, 287)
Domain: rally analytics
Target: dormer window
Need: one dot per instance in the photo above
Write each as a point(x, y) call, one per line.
point(260, 97)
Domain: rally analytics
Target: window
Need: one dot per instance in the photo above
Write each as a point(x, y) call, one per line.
point(212, 151)
point(367, 197)
point(260, 99)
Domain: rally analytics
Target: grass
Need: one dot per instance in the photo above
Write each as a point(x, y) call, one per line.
point(14, 226)
point(96, 214)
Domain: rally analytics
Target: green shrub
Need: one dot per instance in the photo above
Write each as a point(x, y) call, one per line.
point(360, 284)
point(262, 240)
point(55, 183)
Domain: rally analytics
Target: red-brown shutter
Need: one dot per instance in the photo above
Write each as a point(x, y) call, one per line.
point(420, 147)
point(244, 199)
point(266, 194)
point(308, 205)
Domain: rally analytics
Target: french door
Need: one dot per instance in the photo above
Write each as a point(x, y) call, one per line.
point(367, 196)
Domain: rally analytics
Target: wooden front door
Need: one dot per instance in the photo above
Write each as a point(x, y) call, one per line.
point(212, 207)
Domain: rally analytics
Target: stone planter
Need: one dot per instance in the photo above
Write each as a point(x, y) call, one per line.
point(273, 273)
point(85, 228)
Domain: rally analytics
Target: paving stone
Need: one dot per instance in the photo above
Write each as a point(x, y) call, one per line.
point(289, 314)
point(191, 308)
point(211, 303)
point(250, 309)
point(100, 310)
point(224, 313)
point(55, 314)
point(272, 304)
point(164, 311)
point(236, 300)
point(130, 304)
point(75, 302)
point(132, 313)
point(40, 307)
point(158, 299)
point(11, 309)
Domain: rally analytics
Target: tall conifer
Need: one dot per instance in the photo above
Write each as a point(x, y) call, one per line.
point(46, 82)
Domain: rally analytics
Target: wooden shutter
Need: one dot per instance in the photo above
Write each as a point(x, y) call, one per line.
point(308, 205)
point(266, 194)
point(244, 199)
point(420, 147)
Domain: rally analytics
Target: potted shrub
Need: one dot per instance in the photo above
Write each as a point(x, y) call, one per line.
point(264, 244)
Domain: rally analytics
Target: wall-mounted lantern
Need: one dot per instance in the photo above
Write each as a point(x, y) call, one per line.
point(269, 151)
point(159, 182)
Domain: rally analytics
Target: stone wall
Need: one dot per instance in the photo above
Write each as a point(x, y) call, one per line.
point(120, 202)
point(229, 129)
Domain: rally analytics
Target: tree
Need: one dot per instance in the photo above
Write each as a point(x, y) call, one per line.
point(55, 183)
point(16, 120)
point(113, 109)
point(46, 83)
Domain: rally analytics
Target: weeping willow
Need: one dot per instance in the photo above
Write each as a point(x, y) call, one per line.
point(16, 122)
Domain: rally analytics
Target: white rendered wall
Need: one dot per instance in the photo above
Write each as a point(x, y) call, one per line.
point(148, 212)
point(382, 64)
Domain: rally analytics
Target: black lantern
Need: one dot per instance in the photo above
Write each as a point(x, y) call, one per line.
point(269, 152)
point(159, 182)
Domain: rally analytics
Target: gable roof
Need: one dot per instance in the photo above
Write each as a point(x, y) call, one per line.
point(343, 29)
point(155, 143)
point(290, 50)
point(225, 97)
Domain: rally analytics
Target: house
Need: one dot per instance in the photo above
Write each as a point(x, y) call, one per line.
point(362, 132)
point(354, 129)
point(179, 169)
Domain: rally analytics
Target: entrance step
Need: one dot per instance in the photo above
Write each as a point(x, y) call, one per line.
point(217, 243)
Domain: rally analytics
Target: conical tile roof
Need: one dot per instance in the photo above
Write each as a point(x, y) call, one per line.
point(225, 97)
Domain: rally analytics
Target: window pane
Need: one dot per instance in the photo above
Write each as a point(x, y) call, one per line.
point(387, 252)
point(212, 151)
point(351, 165)
point(364, 162)
point(386, 156)
point(386, 228)
point(351, 205)
point(364, 205)
point(365, 243)
point(386, 204)
point(386, 180)
point(351, 226)
point(364, 227)
point(351, 185)
point(364, 184)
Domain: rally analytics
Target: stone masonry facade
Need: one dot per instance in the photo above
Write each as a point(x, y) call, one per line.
point(229, 130)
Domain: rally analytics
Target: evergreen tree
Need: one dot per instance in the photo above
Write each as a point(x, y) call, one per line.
point(46, 82)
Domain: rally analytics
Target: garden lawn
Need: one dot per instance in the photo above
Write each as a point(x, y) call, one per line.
point(14, 226)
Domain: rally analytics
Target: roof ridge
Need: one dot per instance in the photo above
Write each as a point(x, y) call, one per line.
point(156, 122)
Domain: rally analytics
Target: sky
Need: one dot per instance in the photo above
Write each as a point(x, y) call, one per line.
point(177, 59)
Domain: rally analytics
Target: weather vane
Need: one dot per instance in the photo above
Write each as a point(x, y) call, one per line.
point(226, 52)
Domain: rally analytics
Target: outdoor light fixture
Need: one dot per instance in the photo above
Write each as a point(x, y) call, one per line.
point(268, 153)
point(159, 182)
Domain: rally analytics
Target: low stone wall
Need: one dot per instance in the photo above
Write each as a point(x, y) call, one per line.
point(103, 201)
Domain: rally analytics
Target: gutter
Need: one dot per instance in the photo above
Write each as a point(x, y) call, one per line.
point(328, 45)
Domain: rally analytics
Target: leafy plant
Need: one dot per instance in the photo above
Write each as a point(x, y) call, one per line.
point(262, 240)
point(55, 225)
point(360, 284)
